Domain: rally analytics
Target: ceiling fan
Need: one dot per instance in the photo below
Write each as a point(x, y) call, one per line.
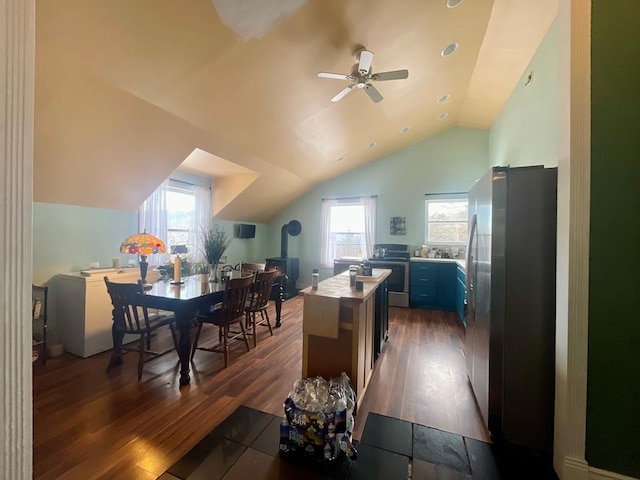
point(362, 77)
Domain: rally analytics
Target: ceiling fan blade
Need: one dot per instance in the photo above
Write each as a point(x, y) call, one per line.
point(342, 93)
point(337, 76)
point(364, 64)
point(373, 93)
point(394, 75)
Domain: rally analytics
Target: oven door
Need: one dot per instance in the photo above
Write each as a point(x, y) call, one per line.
point(397, 282)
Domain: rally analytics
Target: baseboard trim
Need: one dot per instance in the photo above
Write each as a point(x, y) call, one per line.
point(598, 474)
point(575, 469)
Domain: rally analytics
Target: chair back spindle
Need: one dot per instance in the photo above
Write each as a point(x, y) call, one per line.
point(262, 289)
point(231, 312)
point(235, 297)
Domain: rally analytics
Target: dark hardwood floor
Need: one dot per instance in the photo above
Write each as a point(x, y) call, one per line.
point(93, 424)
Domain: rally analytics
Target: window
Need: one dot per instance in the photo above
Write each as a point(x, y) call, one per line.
point(347, 231)
point(177, 212)
point(348, 228)
point(446, 219)
point(181, 205)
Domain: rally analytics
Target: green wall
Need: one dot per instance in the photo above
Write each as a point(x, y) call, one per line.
point(526, 131)
point(67, 238)
point(449, 162)
point(247, 249)
point(613, 388)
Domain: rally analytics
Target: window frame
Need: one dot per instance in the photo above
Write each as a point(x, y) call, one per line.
point(327, 254)
point(444, 198)
point(153, 217)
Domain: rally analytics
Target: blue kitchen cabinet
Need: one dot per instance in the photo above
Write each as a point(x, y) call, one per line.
point(423, 284)
point(433, 285)
point(447, 286)
point(461, 294)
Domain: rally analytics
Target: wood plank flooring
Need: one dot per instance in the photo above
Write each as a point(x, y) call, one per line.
point(92, 424)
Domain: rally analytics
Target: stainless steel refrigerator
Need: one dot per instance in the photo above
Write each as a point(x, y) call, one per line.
point(510, 335)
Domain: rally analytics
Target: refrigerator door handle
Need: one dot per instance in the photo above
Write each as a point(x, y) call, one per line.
point(470, 268)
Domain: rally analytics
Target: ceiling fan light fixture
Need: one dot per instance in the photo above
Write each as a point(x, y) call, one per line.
point(444, 98)
point(449, 49)
point(453, 3)
point(361, 76)
point(442, 116)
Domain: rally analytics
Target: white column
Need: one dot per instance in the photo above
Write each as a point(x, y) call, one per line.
point(17, 50)
point(574, 169)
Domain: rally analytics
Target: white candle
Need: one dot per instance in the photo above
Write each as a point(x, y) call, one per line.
point(176, 269)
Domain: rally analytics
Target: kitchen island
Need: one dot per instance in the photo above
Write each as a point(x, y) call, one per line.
point(338, 326)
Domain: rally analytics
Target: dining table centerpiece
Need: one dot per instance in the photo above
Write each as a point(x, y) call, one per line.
point(215, 242)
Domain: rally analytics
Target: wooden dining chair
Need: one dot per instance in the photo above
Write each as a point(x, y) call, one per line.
point(131, 316)
point(258, 302)
point(230, 312)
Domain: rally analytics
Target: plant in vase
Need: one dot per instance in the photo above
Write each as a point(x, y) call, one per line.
point(216, 241)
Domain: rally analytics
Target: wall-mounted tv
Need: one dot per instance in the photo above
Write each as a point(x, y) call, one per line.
point(246, 230)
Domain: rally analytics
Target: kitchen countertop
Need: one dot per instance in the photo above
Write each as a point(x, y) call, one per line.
point(461, 262)
point(338, 285)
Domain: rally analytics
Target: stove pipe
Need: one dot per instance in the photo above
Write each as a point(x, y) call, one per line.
point(284, 241)
point(292, 228)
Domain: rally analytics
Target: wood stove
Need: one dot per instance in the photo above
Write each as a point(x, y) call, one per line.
point(291, 268)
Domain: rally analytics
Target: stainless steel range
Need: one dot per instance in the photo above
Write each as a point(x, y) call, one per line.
point(395, 257)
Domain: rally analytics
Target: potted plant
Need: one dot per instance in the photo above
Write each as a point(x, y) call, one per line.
point(216, 241)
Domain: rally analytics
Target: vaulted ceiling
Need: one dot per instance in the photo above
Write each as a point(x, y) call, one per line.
point(128, 91)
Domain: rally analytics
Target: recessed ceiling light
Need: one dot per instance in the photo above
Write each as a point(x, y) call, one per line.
point(453, 3)
point(444, 98)
point(405, 129)
point(371, 145)
point(449, 49)
point(340, 158)
point(442, 116)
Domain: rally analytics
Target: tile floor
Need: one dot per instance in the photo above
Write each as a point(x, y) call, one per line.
point(246, 446)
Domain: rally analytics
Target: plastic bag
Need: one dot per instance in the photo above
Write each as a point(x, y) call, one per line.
point(318, 418)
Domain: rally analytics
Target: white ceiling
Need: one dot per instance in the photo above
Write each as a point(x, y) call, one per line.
point(126, 91)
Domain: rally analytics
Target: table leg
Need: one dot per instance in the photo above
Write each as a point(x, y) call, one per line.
point(184, 321)
point(116, 354)
point(278, 302)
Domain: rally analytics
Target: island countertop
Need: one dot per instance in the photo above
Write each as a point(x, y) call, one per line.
point(338, 285)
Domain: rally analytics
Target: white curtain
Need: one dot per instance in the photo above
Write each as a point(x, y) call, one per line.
point(200, 222)
point(326, 255)
point(152, 218)
point(369, 204)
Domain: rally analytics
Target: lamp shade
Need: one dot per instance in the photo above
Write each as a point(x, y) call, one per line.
point(142, 244)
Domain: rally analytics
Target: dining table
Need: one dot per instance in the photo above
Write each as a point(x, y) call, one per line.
point(185, 300)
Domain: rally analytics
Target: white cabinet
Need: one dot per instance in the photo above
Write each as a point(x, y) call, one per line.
point(84, 308)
